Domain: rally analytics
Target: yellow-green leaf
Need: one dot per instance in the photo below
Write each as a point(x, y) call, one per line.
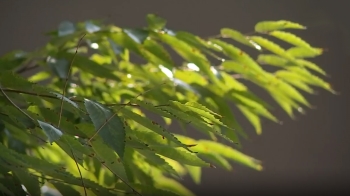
point(266, 26)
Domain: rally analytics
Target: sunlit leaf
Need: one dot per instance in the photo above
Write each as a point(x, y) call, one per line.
point(155, 22)
point(290, 38)
point(266, 26)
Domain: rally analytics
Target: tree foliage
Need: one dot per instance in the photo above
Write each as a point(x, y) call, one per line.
point(97, 119)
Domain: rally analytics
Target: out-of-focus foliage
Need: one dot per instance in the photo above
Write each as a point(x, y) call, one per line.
point(84, 124)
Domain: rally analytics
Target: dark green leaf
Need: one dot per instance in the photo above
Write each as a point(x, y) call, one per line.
point(113, 131)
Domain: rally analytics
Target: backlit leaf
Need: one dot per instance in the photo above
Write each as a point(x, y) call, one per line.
point(266, 26)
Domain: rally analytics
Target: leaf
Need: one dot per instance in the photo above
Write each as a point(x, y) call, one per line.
point(30, 182)
point(230, 153)
point(266, 26)
point(180, 155)
point(252, 117)
point(59, 66)
point(194, 119)
point(237, 36)
point(65, 99)
point(91, 67)
point(311, 66)
point(294, 79)
point(113, 131)
point(300, 52)
point(290, 38)
point(173, 186)
point(195, 173)
point(155, 22)
point(157, 161)
point(91, 27)
point(151, 125)
point(238, 55)
point(66, 28)
point(5, 190)
point(138, 35)
point(50, 131)
point(189, 53)
point(265, 43)
point(65, 189)
point(150, 191)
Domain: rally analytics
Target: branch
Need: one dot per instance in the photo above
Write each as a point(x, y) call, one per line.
point(18, 108)
point(66, 82)
point(81, 176)
point(54, 97)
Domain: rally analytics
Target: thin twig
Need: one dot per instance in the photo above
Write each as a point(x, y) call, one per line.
point(76, 163)
point(115, 113)
point(61, 109)
point(54, 97)
point(18, 108)
point(66, 82)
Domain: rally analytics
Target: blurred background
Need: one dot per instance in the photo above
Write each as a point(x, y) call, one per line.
point(308, 154)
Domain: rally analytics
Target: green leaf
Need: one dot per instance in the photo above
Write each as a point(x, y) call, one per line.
point(5, 190)
point(138, 35)
point(189, 53)
point(301, 52)
point(252, 117)
point(265, 43)
point(157, 161)
point(266, 26)
point(91, 27)
point(50, 131)
point(290, 38)
point(66, 28)
point(65, 99)
point(226, 151)
point(238, 55)
point(311, 66)
point(195, 173)
point(65, 189)
point(155, 22)
point(113, 131)
point(150, 191)
point(59, 66)
point(237, 36)
point(180, 155)
point(151, 125)
point(91, 67)
point(29, 181)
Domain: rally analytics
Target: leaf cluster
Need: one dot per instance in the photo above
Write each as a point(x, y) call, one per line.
point(85, 123)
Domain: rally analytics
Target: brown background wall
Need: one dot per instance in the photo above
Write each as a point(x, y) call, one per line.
point(311, 153)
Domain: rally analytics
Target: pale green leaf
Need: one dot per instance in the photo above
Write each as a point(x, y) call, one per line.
point(195, 173)
point(155, 22)
point(290, 38)
point(301, 52)
point(52, 133)
point(266, 26)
